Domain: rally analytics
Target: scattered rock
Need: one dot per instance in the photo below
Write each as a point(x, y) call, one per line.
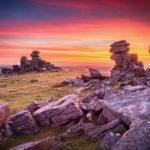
point(95, 74)
point(59, 112)
point(4, 113)
point(24, 123)
point(100, 132)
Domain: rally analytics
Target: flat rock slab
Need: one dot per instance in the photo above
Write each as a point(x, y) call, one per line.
point(59, 112)
point(128, 106)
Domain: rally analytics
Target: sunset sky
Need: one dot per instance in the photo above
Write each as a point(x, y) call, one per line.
point(73, 32)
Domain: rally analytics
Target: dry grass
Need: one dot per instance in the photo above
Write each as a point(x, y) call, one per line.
point(21, 90)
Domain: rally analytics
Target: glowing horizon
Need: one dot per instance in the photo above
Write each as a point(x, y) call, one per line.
point(73, 32)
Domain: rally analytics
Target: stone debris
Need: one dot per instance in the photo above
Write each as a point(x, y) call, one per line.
point(35, 64)
point(23, 123)
point(59, 112)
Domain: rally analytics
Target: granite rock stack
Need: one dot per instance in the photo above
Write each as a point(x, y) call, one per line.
point(126, 65)
point(35, 64)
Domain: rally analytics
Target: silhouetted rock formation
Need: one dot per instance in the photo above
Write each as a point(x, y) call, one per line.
point(127, 65)
point(35, 64)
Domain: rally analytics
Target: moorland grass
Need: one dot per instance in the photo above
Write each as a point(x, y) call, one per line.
point(21, 90)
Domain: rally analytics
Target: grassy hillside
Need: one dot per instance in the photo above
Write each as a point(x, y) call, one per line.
point(21, 90)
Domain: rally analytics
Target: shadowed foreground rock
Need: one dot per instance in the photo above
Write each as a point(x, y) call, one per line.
point(137, 138)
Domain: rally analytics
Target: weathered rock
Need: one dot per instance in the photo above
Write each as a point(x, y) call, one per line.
point(81, 89)
point(127, 65)
point(24, 123)
point(4, 113)
point(82, 127)
point(8, 130)
point(137, 138)
point(128, 106)
point(36, 64)
point(33, 107)
point(85, 77)
point(49, 142)
point(95, 74)
point(110, 140)
point(59, 112)
point(140, 81)
point(6, 70)
point(100, 132)
point(134, 88)
point(148, 72)
point(101, 119)
point(75, 82)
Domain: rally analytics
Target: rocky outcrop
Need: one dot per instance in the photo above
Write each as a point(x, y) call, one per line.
point(127, 65)
point(35, 64)
point(23, 123)
point(137, 138)
point(59, 112)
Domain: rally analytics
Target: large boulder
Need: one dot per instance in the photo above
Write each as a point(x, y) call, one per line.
point(128, 105)
point(23, 123)
point(59, 112)
point(137, 138)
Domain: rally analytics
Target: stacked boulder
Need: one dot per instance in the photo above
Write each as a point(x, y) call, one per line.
point(35, 64)
point(127, 65)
